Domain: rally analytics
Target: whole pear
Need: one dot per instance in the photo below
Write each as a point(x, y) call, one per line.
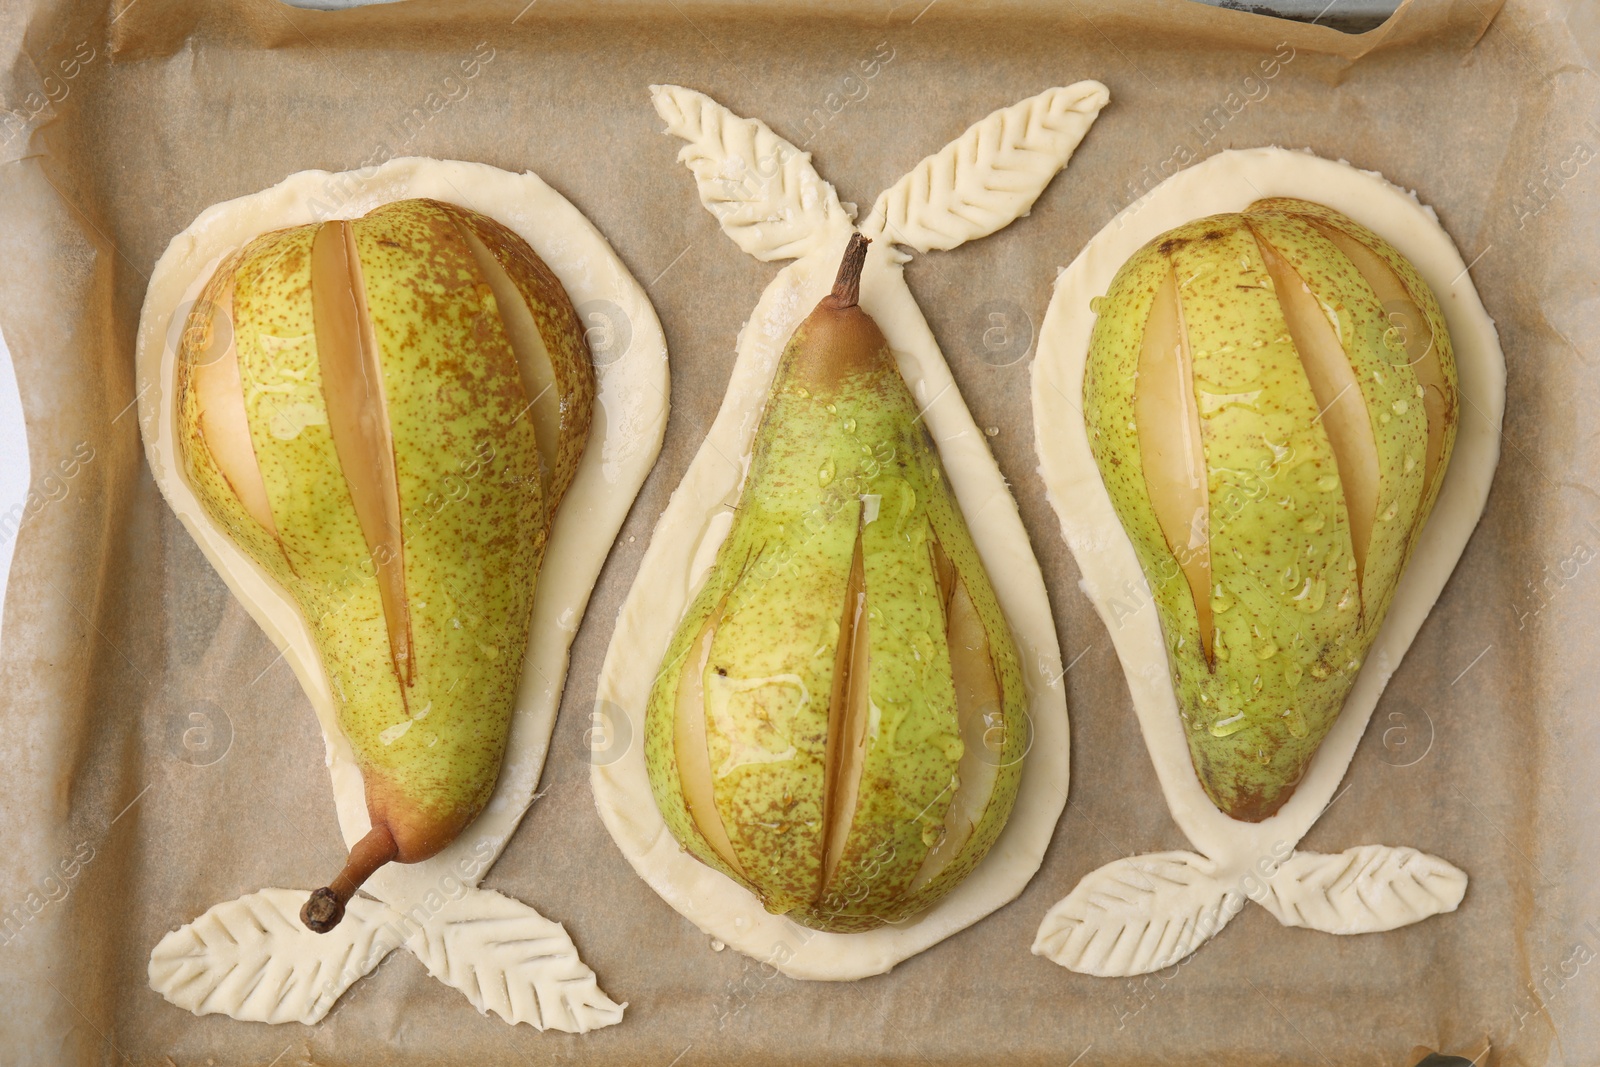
point(383, 414)
point(839, 721)
point(1271, 400)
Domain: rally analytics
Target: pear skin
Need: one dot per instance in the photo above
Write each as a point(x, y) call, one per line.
point(1271, 399)
point(839, 721)
point(383, 413)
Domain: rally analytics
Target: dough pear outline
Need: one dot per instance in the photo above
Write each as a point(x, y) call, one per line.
point(252, 958)
point(772, 203)
point(1146, 913)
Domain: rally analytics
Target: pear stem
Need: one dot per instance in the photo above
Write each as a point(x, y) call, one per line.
point(847, 286)
point(325, 907)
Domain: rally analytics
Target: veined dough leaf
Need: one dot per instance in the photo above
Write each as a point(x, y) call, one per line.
point(762, 189)
point(990, 175)
point(509, 959)
point(1362, 890)
point(1137, 915)
point(254, 960)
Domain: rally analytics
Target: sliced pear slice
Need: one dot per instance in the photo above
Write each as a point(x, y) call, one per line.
point(358, 419)
point(1422, 349)
point(693, 750)
point(848, 712)
point(979, 710)
point(1342, 408)
point(1168, 419)
point(533, 358)
point(208, 344)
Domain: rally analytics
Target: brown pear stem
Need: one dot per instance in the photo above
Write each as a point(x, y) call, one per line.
point(325, 907)
point(847, 286)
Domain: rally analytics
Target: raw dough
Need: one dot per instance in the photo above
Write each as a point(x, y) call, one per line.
point(629, 421)
point(775, 206)
point(1141, 914)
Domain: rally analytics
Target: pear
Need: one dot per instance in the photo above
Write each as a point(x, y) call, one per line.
point(384, 414)
point(839, 721)
point(1271, 399)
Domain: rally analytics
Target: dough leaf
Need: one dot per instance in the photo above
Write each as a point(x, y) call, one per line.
point(254, 960)
point(1362, 890)
point(989, 176)
point(509, 959)
point(1137, 915)
point(762, 189)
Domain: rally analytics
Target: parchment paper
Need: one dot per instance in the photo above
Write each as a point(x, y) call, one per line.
point(157, 759)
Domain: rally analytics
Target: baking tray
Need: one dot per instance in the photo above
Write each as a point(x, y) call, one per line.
point(117, 630)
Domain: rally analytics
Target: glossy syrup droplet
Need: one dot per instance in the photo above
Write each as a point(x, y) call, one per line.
point(1310, 598)
point(825, 472)
point(1296, 722)
point(1229, 726)
point(1213, 400)
point(1096, 303)
point(1328, 483)
point(1292, 674)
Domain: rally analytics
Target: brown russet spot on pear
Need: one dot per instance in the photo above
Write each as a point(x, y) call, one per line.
point(384, 413)
point(1271, 399)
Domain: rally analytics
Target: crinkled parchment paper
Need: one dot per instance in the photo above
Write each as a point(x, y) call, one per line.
point(157, 758)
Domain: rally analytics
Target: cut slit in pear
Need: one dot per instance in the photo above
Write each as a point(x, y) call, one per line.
point(848, 711)
point(1421, 347)
point(358, 420)
point(219, 398)
point(693, 750)
point(1340, 404)
point(528, 348)
point(1168, 419)
point(979, 709)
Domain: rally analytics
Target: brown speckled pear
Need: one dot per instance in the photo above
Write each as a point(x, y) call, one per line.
point(839, 723)
point(1271, 399)
point(384, 413)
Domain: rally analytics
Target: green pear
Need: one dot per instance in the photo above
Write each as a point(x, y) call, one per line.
point(839, 721)
point(1271, 400)
point(383, 414)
